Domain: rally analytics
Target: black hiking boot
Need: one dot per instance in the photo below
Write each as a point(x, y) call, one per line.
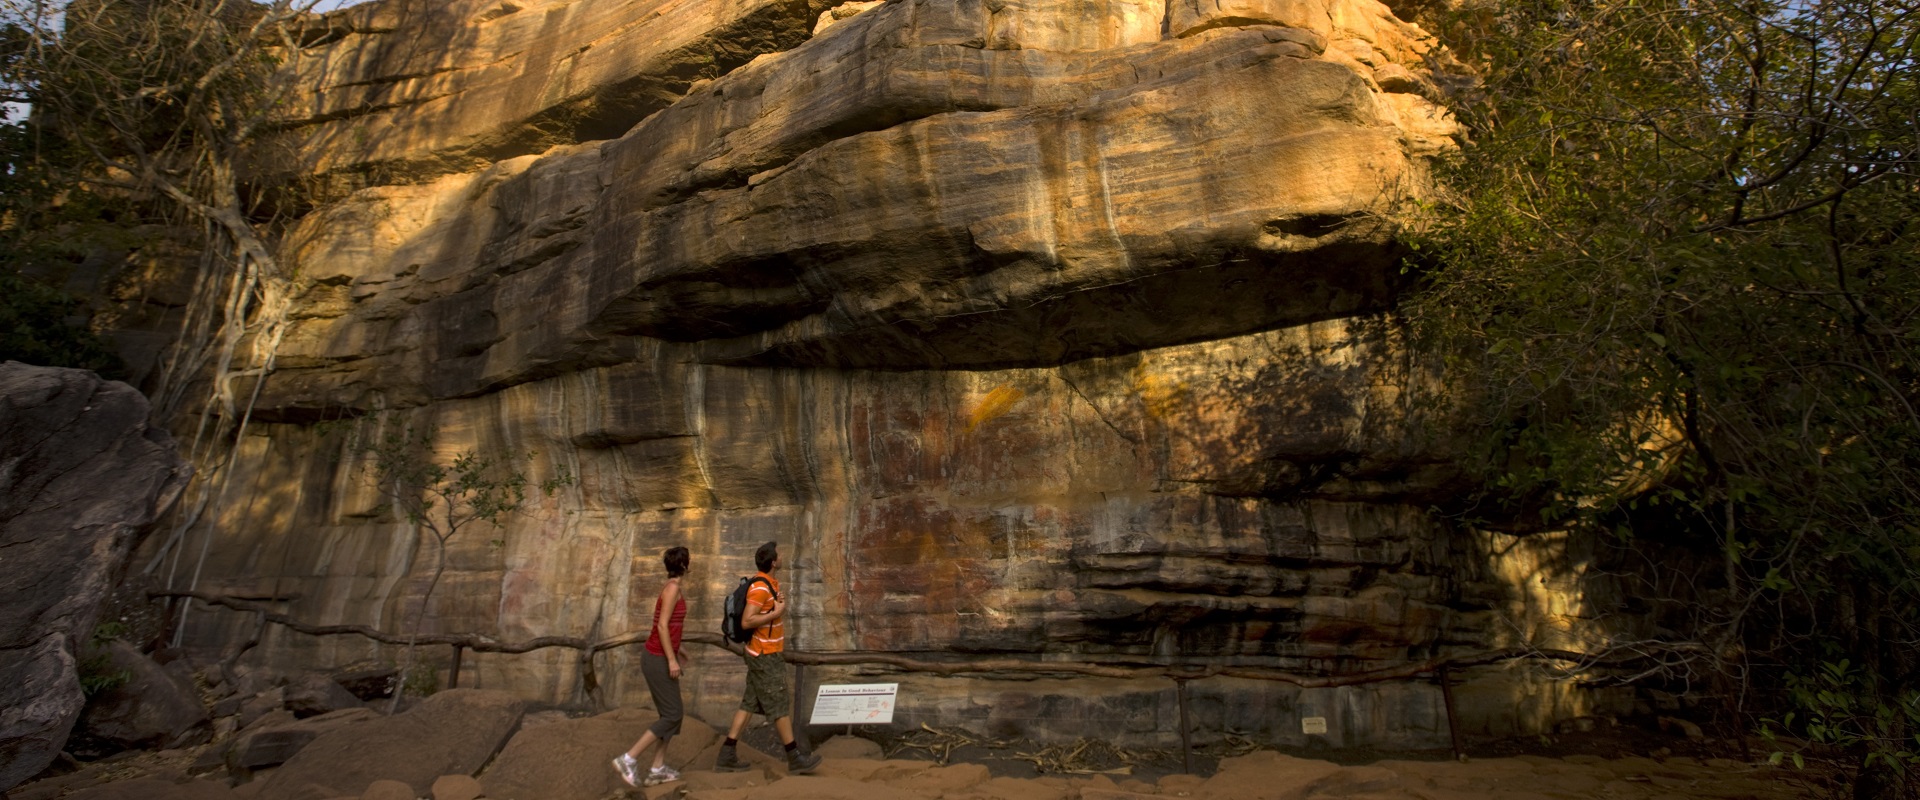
point(728, 760)
point(799, 763)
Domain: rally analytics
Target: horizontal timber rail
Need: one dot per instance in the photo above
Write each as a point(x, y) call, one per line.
point(1001, 666)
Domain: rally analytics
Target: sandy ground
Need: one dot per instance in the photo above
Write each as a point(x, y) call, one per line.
point(854, 769)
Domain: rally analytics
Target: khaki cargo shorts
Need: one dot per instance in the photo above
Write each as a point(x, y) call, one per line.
point(767, 687)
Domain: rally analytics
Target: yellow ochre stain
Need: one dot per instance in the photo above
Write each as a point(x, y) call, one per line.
point(997, 402)
point(1160, 394)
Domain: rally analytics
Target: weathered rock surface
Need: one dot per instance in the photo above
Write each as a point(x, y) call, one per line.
point(152, 709)
point(451, 733)
point(568, 760)
point(64, 435)
point(389, 790)
point(155, 789)
point(272, 745)
point(456, 787)
point(506, 78)
point(314, 695)
point(998, 206)
point(1038, 329)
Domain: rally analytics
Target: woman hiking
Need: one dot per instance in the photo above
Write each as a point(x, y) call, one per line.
point(660, 664)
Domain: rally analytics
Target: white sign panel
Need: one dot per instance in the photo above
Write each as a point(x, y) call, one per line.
point(855, 704)
point(1313, 725)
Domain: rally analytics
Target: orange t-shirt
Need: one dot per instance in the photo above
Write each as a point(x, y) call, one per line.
point(771, 637)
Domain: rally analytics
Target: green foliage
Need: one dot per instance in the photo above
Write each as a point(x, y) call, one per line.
point(443, 498)
point(39, 323)
point(1837, 709)
point(151, 86)
point(149, 108)
point(37, 327)
point(95, 667)
point(1681, 268)
point(96, 673)
point(422, 682)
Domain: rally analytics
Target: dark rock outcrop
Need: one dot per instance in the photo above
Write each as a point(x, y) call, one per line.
point(271, 745)
point(454, 732)
point(82, 476)
point(151, 707)
point(315, 694)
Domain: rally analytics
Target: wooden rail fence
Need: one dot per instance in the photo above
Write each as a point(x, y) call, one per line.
point(1180, 674)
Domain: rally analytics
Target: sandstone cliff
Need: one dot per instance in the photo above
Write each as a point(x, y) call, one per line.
point(1055, 329)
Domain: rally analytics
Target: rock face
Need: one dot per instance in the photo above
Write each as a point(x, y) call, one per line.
point(64, 436)
point(503, 78)
point(153, 708)
point(1052, 330)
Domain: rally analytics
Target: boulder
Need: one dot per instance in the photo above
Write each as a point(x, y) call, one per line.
point(38, 706)
point(250, 681)
point(254, 708)
point(451, 733)
point(313, 695)
point(64, 435)
point(388, 790)
point(152, 709)
point(155, 789)
point(568, 760)
point(278, 716)
point(368, 683)
point(456, 787)
point(271, 745)
point(838, 747)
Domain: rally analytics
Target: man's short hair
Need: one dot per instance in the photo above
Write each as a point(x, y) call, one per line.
point(675, 559)
point(763, 557)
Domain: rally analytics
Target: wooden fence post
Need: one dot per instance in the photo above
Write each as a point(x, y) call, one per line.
point(1453, 722)
point(1186, 735)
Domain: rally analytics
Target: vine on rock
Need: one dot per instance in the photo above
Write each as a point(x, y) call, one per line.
point(157, 108)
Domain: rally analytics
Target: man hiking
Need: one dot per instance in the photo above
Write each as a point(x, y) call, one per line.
point(766, 693)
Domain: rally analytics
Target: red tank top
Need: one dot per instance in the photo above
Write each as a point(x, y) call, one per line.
point(676, 626)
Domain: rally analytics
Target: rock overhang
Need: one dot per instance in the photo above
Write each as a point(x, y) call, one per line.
point(899, 193)
point(1040, 328)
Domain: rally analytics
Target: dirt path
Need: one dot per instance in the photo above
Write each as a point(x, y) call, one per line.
point(854, 769)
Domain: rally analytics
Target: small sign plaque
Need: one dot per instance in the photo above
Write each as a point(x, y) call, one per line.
point(855, 704)
point(1313, 724)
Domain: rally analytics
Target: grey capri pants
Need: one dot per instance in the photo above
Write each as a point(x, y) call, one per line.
point(666, 695)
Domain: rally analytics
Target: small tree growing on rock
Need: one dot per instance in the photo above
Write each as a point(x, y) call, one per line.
point(443, 499)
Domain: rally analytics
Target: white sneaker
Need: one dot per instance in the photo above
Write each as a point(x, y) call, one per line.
point(661, 774)
point(629, 770)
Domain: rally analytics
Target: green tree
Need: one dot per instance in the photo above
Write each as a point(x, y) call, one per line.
point(440, 500)
point(40, 323)
point(1677, 268)
point(159, 109)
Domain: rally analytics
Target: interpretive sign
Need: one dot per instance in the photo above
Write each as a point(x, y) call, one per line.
point(1313, 725)
point(855, 704)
